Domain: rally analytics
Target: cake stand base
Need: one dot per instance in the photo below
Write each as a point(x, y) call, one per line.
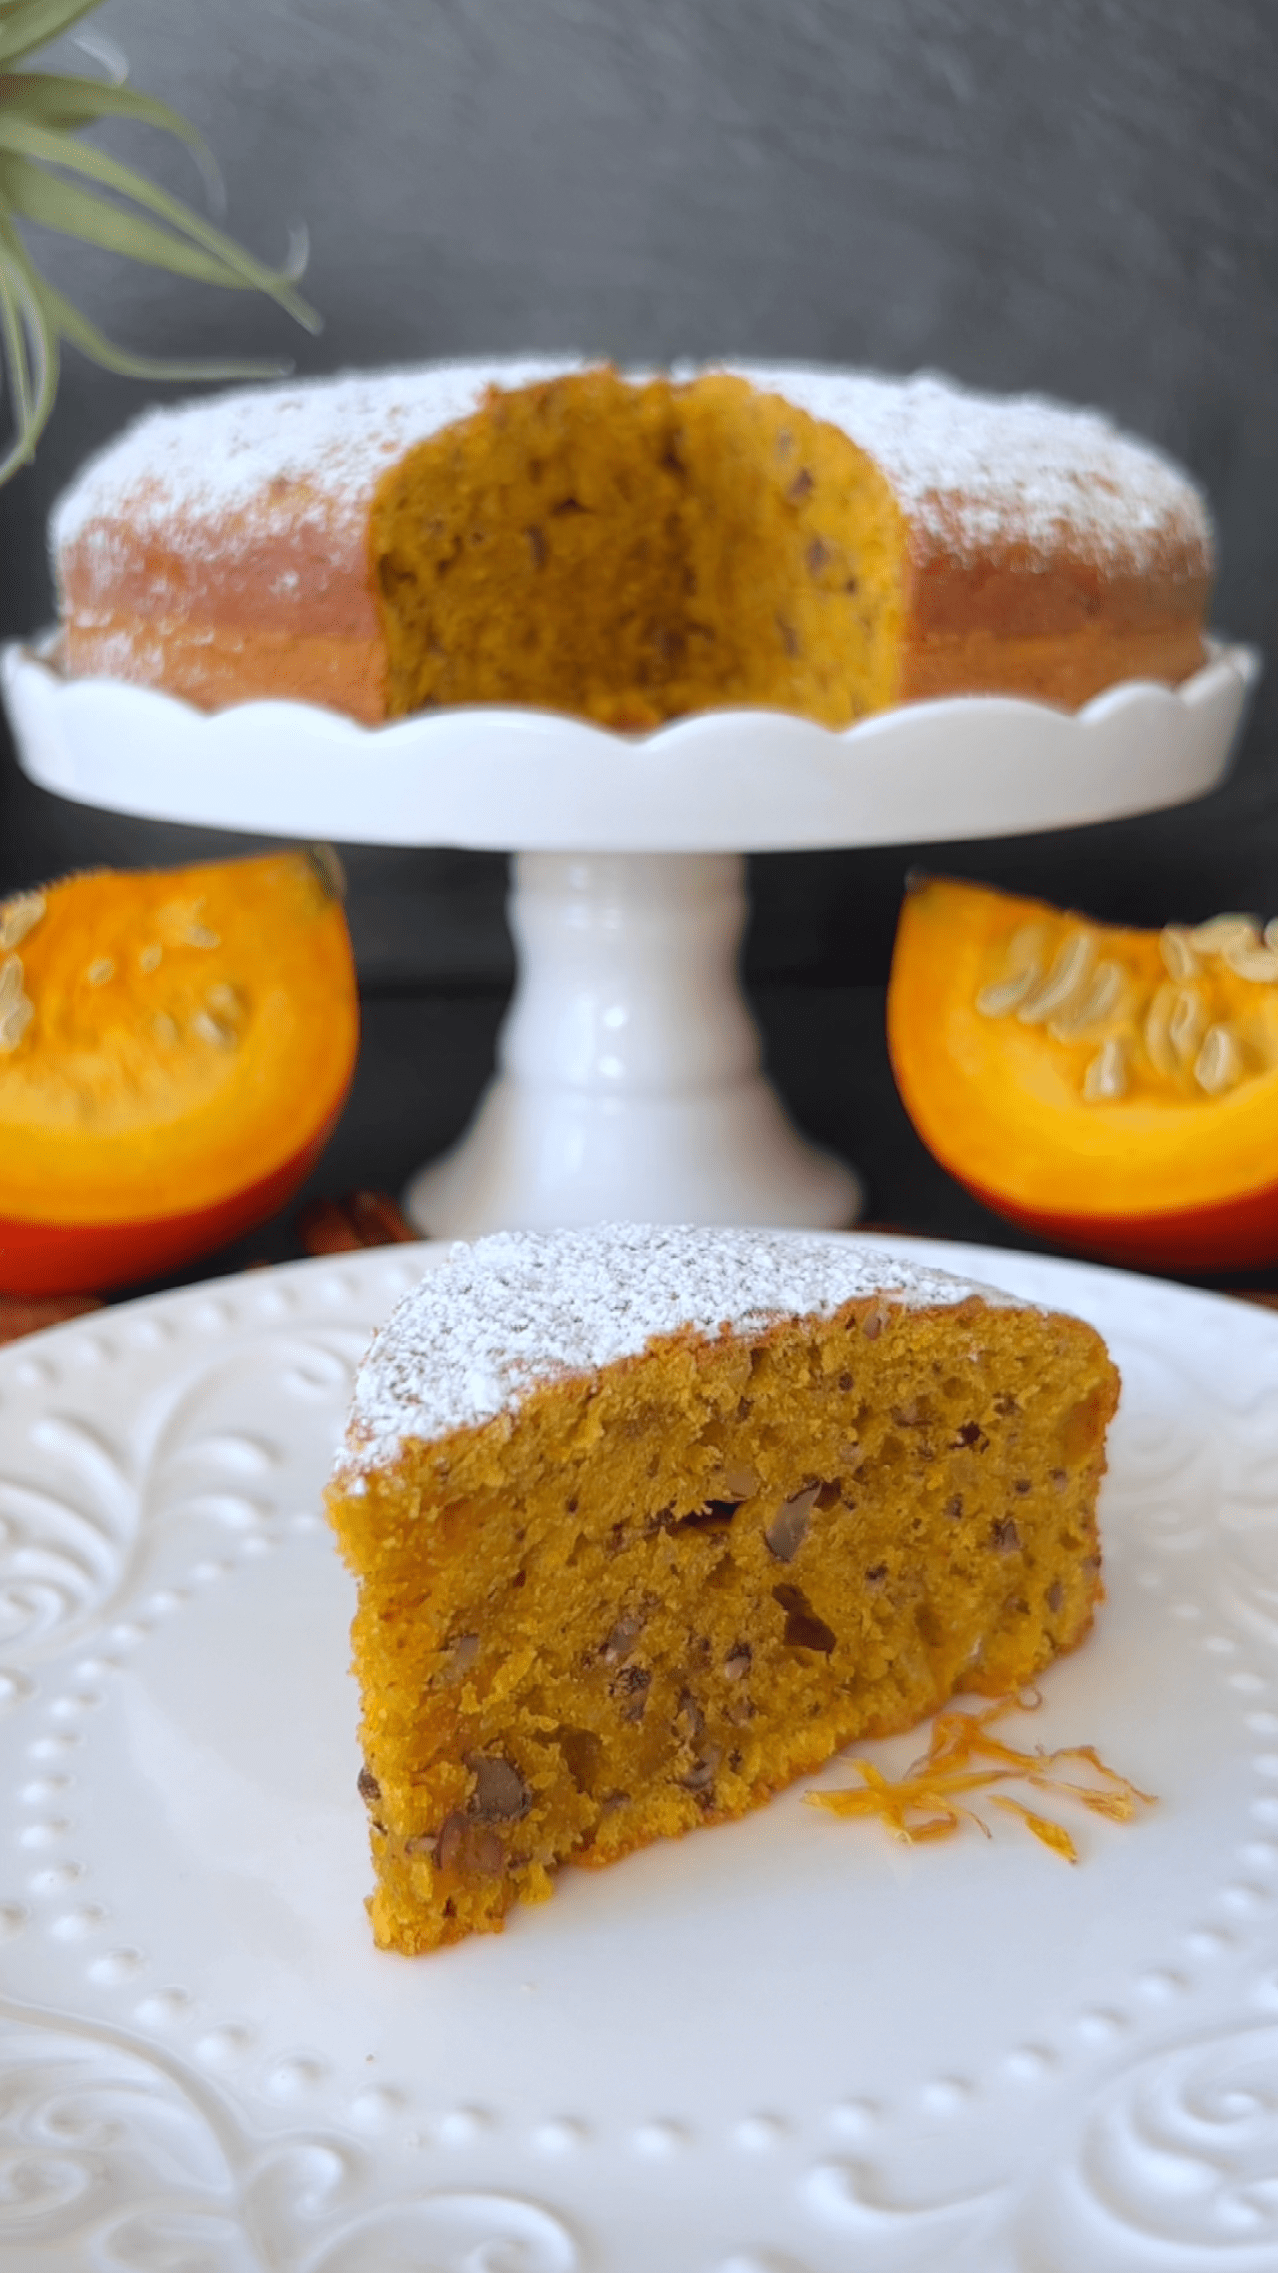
point(629, 1082)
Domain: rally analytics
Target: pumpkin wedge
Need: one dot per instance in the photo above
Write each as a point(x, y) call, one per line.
point(175, 1048)
point(1114, 1091)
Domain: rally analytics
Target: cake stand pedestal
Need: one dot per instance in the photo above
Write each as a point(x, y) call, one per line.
point(629, 1083)
point(629, 1065)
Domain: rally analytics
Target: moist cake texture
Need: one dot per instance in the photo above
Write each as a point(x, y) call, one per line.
point(629, 550)
point(647, 1522)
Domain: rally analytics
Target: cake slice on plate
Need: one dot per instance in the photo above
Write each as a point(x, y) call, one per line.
point(648, 1521)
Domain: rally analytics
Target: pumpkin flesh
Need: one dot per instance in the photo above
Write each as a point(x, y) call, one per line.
point(1145, 1132)
point(185, 1042)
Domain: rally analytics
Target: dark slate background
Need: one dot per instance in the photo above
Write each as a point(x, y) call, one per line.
point(1079, 196)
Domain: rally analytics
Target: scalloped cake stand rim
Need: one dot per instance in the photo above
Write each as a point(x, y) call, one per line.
point(499, 779)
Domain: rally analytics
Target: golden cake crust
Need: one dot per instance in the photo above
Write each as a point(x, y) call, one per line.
point(221, 550)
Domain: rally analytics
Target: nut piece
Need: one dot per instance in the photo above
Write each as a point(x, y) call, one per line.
point(970, 1437)
point(789, 1526)
point(500, 1794)
point(701, 1774)
point(623, 1637)
point(460, 1654)
point(803, 1629)
point(448, 1845)
point(632, 1685)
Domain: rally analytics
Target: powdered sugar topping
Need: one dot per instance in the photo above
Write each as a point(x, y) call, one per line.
point(523, 1307)
point(969, 470)
point(974, 471)
point(317, 448)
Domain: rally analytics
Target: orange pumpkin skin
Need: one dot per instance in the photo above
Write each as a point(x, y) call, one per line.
point(72, 1258)
point(168, 1094)
point(1165, 1177)
point(1237, 1236)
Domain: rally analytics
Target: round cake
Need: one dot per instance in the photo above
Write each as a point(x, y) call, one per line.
point(629, 549)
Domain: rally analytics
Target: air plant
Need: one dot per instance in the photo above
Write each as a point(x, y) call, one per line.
point(49, 176)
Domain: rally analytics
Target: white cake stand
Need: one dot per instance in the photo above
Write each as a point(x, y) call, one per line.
point(629, 1082)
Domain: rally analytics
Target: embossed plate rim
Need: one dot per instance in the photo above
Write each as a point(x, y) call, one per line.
point(768, 2191)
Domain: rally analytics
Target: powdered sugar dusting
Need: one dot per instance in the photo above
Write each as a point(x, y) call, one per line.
point(974, 471)
point(523, 1307)
point(316, 450)
point(971, 471)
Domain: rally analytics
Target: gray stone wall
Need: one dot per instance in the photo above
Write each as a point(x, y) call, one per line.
point(1074, 195)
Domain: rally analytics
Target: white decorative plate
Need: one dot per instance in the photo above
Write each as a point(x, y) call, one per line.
point(724, 781)
point(785, 2047)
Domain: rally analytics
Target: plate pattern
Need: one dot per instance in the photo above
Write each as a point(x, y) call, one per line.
point(160, 2108)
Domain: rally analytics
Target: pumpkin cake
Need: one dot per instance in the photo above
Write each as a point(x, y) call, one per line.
point(648, 1522)
point(629, 550)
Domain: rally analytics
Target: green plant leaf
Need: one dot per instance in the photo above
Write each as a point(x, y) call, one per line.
point(79, 332)
point(27, 190)
point(50, 148)
point(41, 113)
point(28, 24)
point(52, 99)
point(25, 326)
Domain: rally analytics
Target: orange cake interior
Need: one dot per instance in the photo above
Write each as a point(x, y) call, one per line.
point(631, 553)
point(612, 1602)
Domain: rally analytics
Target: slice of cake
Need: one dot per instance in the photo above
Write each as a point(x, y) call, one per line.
point(648, 1522)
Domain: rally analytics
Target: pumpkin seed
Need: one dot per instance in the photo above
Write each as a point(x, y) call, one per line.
point(19, 916)
point(1224, 932)
point(1106, 1076)
point(150, 958)
point(1186, 1024)
point(1219, 1064)
point(1158, 1045)
point(14, 1022)
point(214, 1030)
point(1068, 973)
point(1178, 955)
point(1100, 1001)
point(101, 973)
point(997, 1000)
point(1257, 963)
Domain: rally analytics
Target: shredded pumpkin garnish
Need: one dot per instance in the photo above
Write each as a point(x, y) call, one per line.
point(931, 1800)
